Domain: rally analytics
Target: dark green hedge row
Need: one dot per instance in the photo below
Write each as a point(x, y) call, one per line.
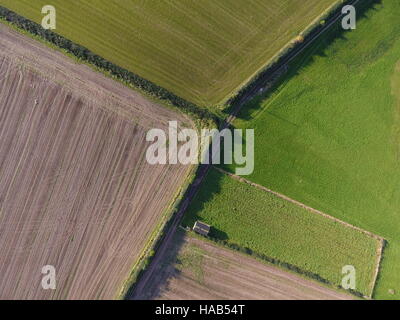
point(280, 263)
point(264, 76)
point(86, 55)
point(274, 261)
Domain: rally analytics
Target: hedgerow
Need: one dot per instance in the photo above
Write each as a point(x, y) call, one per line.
point(311, 31)
point(85, 55)
point(279, 263)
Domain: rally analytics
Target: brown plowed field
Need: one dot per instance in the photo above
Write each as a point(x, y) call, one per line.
point(198, 269)
point(76, 191)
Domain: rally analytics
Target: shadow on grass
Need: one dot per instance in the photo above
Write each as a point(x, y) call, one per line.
point(301, 62)
point(218, 234)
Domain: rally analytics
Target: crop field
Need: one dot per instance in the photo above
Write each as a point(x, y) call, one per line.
point(203, 51)
point(197, 269)
point(328, 135)
point(282, 230)
point(76, 191)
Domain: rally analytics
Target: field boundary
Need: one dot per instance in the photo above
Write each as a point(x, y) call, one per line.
point(281, 265)
point(318, 25)
point(186, 240)
point(52, 77)
point(157, 235)
point(381, 240)
point(379, 258)
point(84, 55)
point(155, 238)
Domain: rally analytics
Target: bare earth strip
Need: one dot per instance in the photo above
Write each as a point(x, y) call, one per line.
point(203, 270)
point(75, 189)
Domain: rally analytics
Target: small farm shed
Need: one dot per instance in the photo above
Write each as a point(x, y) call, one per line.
point(201, 228)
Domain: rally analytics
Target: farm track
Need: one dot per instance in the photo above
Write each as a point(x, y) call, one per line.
point(76, 191)
point(140, 286)
point(217, 46)
point(276, 69)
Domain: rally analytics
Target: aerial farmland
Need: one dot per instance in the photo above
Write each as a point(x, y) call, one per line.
point(284, 231)
point(331, 139)
point(101, 100)
point(218, 45)
point(200, 270)
point(76, 191)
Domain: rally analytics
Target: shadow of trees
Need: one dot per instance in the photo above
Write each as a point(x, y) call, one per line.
point(167, 271)
point(305, 59)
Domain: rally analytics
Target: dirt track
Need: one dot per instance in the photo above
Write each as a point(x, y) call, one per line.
point(75, 189)
point(215, 273)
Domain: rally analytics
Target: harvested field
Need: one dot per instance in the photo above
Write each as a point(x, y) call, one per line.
point(76, 191)
point(203, 51)
point(198, 269)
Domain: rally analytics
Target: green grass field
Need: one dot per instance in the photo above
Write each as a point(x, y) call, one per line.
point(203, 51)
point(256, 219)
point(329, 134)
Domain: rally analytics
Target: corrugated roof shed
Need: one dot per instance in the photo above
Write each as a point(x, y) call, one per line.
point(201, 228)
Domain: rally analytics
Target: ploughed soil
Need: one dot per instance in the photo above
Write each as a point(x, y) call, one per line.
point(76, 191)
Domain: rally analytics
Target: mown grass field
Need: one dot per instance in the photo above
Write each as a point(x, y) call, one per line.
point(256, 219)
point(328, 135)
point(203, 51)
